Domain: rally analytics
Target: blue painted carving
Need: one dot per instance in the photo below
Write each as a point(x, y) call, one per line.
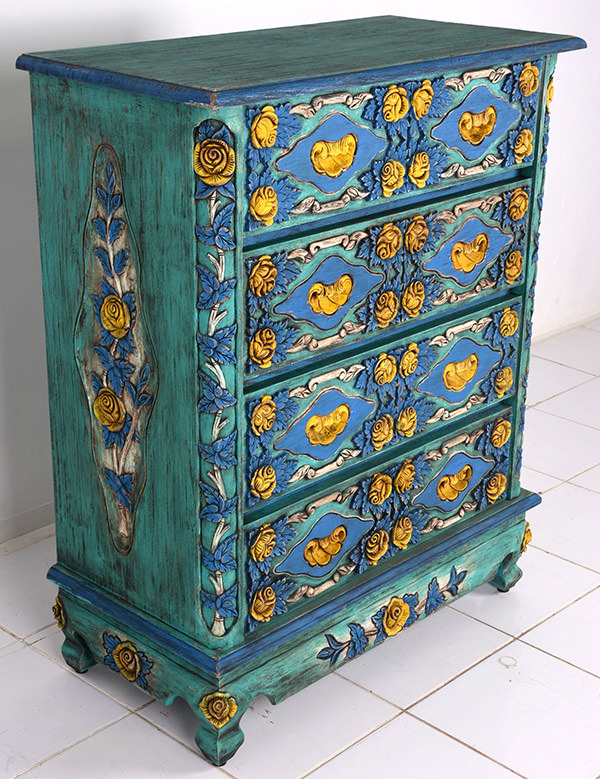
point(295, 440)
point(429, 498)
point(441, 261)
point(331, 269)
point(433, 383)
point(295, 563)
point(297, 161)
point(477, 100)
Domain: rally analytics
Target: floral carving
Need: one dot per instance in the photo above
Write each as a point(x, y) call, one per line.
point(218, 708)
point(124, 658)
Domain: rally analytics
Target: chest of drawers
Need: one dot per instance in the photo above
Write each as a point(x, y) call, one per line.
point(288, 282)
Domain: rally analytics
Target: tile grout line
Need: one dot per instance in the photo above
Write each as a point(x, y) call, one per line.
point(557, 657)
point(374, 694)
point(565, 419)
point(464, 744)
point(590, 378)
point(565, 559)
point(564, 364)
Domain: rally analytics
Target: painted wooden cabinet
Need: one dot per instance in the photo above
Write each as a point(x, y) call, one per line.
point(288, 282)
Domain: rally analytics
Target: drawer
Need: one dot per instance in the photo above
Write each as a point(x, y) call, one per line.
point(356, 528)
point(305, 428)
point(382, 143)
point(379, 275)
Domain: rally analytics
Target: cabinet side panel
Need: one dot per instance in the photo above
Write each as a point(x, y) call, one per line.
point(147, 144)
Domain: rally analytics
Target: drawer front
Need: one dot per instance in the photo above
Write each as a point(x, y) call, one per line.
point(337, 152)
point(299, 430)
point(303, 299)
point(354, 529)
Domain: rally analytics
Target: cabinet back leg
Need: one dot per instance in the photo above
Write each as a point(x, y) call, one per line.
point(76, 652)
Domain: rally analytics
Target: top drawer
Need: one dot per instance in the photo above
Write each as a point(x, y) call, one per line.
point(327, 153)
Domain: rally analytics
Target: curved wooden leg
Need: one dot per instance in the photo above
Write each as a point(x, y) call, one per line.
point(508, 574)
point(219, 735)
point(76, 652)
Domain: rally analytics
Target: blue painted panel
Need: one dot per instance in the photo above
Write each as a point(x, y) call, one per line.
point(477, 100)
point(429, 497)
point(329, 271)
point(433, 383)
point(441, 261)
point(295, 563)
point(297, 161)
point(295, 439)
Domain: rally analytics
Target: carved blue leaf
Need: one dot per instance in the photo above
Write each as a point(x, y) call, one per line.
point(216, 506)
point(358, 640)
point(455, 580)
point(120, 261)
point(221, 559)
point(213, 290)
point(100, 225)
point(435, 598)
point(220, 452)
point(224, 604)
point(102, 256)
point(115, 229)
point(215, 396)
point(217, 347)
point(122, 485)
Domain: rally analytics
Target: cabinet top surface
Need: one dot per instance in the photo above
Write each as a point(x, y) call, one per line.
point(235, 67)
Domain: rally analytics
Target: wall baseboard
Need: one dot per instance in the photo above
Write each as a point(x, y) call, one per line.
point(11, 527)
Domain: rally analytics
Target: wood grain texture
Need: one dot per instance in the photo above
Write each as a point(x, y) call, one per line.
point(226, 69)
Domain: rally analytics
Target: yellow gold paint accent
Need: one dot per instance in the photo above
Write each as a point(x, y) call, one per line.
point(529, 79)
point(262, 347)
point(380, 488)
point(263, 415)
point(527, 536)
point(523, 145)
point(457, 375)
point(323, 429)
point(500, 433)
point(321, 551)
point(413, 298)
point(409, 360)
point(263, 544)
point(214, 161)
point(407, 422)
point(503, 381)
point(385, 369)
point(451, 485)
point(386, 308)
point(392, 177)
point(263, 481)
point(395, 616)
point(422, 99)
point(416, 234)
point(376, 546)
point(418, 170)
point(509, 323)
point(218, 708)
point(331, 158)
point(389, 241)
point(262, 277)
point(263, 131)
point(263, 603)
point(263, 205)
point(550, 93)
point(402, 532)
point(115, 316)
point(395, 103)
point(127, 660)
point(382, 431)
point(58, 612)
point(404, 479)
point(495, 487)
point(518, 204)
point(329, 298)
point(109, 409)
point(513, 266)
point(466, 256)
point(474, 127)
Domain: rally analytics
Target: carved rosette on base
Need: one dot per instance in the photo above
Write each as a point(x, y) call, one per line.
point(113, 349)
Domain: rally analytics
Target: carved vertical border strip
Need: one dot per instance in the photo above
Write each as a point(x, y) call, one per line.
point(214, 163)
point(113, 349)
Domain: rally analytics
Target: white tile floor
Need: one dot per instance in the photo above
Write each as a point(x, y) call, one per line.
point(500, 685)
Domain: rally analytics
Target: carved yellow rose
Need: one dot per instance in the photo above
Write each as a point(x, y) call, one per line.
point(500, 433)
point(385, 308)
point(380, 488)
point(377, 546)
point(262, 347)
point(218, 708)
point(109, 409)
point(389, 241)
point(404, 479)
point(413, 298)
point(503, 381)
point(509, 323)
point(418, 170)
point(58, 613)
point(262, 276)
point(214, 161)
point(402, 532)
point(263, 481)
point(127, 660)
point(263, 205)
point(263, 544)
point(422, 98)
point(518, 204)
point(550, 93)
point(392, 177)
point(321, 551)
point(263, 603)
point(495, 486)
point(395, 616)
point(382, 432)
point(385, 369)
point(395, 103)
point(115, 316)
point(523, 145)
point(409, 360)
point(527, 536)
point(263, 131)
point(416, 235)
point(513, 266)
point(407, 422)
point(263, 415)
point(529, 79)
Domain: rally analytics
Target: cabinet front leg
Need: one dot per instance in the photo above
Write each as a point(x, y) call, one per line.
point(219, 735)
point(76, 652)
point(508, 574)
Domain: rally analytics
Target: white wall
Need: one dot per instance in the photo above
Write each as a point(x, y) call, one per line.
point(569, 273)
